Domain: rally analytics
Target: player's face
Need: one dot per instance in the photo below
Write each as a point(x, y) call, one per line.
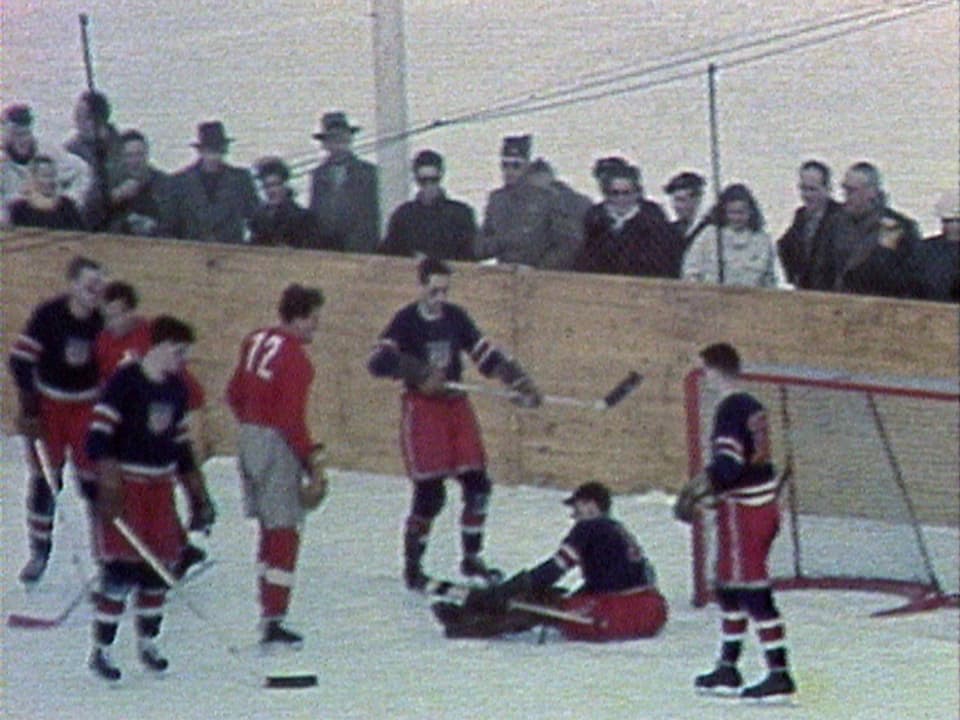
point(87, 289)
point(435, 292)
point(584, 510)
point(171, 357)
point(116, 315)
point(307, 326)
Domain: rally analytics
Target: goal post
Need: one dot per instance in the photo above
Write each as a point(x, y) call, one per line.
point(875, 463)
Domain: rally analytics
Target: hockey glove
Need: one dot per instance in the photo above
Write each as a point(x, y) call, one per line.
point(496, 598)
point(109, 494)
point(28, 421)
point(695, 492)
point(512, 374)
point(203, 514)
point(313, 492)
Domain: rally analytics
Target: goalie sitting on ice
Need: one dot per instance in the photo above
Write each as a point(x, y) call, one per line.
point(618, 598)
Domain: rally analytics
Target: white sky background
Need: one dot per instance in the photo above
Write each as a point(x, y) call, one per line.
point(380, 654)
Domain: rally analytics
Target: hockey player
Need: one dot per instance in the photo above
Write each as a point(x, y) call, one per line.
point(741, 476)
point(126, 338)
point(53, 364)
point(138, 438)
point(268, 394)
point(618, 593)
point(440, 437)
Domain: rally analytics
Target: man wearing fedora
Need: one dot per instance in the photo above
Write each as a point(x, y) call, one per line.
point(344, 193)
point(214, 200)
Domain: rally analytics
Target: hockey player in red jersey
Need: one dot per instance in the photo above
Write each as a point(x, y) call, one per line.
point(126, 338)
point(268, 394)
point(53, 364)
point(139, 440)
point(619, 594)
point(742, 479)
point(440, 436)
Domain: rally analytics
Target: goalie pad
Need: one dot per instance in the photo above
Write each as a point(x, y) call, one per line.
point(695, 492)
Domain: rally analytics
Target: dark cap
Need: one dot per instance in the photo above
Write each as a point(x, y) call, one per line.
point(685, 181)
point(603, 166)
point(517, 146)
point(332, 122)
point(212, 136)
point(595, 491)
point(272, 165)
point(428, 158)
point(18, 115)
point(721, 356)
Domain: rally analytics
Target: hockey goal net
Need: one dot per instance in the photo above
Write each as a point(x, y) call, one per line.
point(875, 472)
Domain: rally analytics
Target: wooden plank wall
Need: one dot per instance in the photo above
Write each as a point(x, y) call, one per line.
point(577, 334)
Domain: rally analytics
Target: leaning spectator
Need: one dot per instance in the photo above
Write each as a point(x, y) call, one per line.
point(623, 235)
point(872, 243)
point(213, 200)
point(96, 142)
point(431, 224)
point(280, 220)
point(937, 258)
point(141, 200)
point(734, 249)
point(804, 249)
point(686, 195)
point(41, 205)
point(344, 194)
point(573, 208)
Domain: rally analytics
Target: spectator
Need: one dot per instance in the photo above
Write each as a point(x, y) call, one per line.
point(20, 146)
point(938, 257)
point(686, 194)
point(734, 249)
point(431, 224)
point(625, 234)
point(872, 244)
point(98, 144)
point(279, 220)
point(523, 223)
point(141, 199)
point(41, 205)
point(344, 193)
point(573, 208)
point(213, 200)
point(804, 249)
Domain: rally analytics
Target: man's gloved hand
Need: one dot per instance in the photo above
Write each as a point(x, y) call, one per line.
point(528, 396)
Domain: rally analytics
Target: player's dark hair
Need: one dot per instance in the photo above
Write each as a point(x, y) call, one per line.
point(119, 290)
point(298, 301)
point(79, 264)
point(432, 266)
point(723, 357)
point(166, 328)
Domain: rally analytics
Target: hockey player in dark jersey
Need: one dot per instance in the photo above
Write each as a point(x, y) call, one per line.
point(741, 476)
point(53, 364)
point(618, 593)
point(140, 442)
point(440, 437)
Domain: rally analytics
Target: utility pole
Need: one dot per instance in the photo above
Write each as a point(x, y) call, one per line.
point(389, 66)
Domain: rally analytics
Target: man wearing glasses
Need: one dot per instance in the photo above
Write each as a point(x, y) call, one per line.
point(523, 223)
point(431, 224)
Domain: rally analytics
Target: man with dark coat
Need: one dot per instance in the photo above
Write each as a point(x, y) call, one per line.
point(804, 248)
point(280, 220)
point(141, 199)
point(344, 192)
point(213, 200)
point(431, 224)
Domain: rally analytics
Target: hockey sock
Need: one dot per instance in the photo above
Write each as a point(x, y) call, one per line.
point(770, 629)
point(278, 558)
point(108, 611)
point(476, 496)
point(734, 627)
point(149, 605)
point(40, 510)
point(415, 534)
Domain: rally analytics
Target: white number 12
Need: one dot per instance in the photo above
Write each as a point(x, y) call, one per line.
point(258, 362)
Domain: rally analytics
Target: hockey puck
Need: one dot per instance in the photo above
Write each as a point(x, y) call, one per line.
point(281, 682)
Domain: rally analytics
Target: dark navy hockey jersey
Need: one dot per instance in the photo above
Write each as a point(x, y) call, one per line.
point(609, 557)
point(142, 423)
point(741, 460)
point(54, 354)
point(437, 342)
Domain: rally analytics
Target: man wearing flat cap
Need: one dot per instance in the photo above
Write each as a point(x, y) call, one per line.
point(523, 223)
point(431, 224)
point(214, 200)
point(619, 592)
point(344, 190)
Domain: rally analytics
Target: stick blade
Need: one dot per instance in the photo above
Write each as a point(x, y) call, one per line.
point(31, 623)
point(622, 389)
point(290, 682)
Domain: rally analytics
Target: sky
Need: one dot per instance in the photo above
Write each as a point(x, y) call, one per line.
point(379, 653)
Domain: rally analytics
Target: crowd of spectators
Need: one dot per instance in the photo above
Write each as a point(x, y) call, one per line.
point(102, 179)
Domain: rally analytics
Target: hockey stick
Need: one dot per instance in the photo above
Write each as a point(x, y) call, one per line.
point(614, 397)
point(271, 681)
point(32, 622)
point(440, 590)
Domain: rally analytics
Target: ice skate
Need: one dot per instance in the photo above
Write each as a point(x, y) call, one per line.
point(34, 569)
point(777, 685)
point(415, 578)
point(102, 664)
point(191, 556)
point(150, 656)
point(473, 567)
point(275, 635)
point(722, 680)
